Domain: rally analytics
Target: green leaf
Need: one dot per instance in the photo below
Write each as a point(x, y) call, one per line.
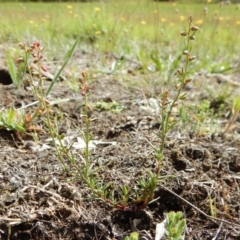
point(175, 225)
point(17, 127)
point(22, 69)
point(117, 65)
point(12, 69)
point(11, 114)
point(236, 104)
point(182, 224)
point(220, 67)
point(157, 61)
point(170, 126)
point(68, 56)
point(183, 96)
point(174, 64)
point(133, 236)
point(125, 190)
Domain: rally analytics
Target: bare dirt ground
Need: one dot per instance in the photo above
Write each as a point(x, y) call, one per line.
point(39, 201)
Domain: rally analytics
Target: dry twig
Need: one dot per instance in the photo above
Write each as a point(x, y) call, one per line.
point(214, 219)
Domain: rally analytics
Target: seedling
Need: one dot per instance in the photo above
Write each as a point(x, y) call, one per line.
point(108, 106)
point(175, 226)
point(17, 121)
point(212, 206)
point(133, 236)
point(17, 71)
point(12, 120)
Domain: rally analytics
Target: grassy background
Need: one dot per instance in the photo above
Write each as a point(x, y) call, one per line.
point(140, 29)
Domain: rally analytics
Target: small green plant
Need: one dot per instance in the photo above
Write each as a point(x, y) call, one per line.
point(18, 71)
point(36, 51)
point(219, 98)
point(125, 197)
point(17, 121)
point(175, 226)
point(212, 206)
point(201, 117)
point(112, 106)
point(133, 236)
point(85, 88)
point(168, 104)
point(73, 83)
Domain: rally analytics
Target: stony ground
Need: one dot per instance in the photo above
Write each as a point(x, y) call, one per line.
point(38, 200)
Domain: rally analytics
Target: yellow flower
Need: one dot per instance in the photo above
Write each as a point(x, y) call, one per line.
point(31, 22)
point(143, 22)
point(199, 22)
point(69, 7)
point(155, 11)
point(221, 18)
point(182, 18)
point(76, 15)
point(209, 1)
point(122, 19)
point(98, 32)
point(172, 24)
point(94, 25)
point(174, 4)
point(163, 20)
point(43, 20)
point(97, 9)
point(70, 12)
point(238, 22)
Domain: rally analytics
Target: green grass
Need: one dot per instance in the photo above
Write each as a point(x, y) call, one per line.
point(142, 30)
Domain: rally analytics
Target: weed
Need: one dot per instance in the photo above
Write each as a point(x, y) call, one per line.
point(17, 121)
point(166, 103)
point(219, 98)
point(133, 236)
point(85, 87)
point(67, 58)
point(112, 106)
point(73, 83)
point(17, 72)
point(145, 188)
point(175, 226)
point(212, 206)
point(201, 116)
